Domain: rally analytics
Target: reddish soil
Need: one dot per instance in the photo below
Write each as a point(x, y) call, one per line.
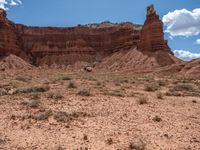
point(82, 110)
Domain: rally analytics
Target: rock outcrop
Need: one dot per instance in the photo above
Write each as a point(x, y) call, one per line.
point(152, 35)
point(86, 43)
point(9, 40)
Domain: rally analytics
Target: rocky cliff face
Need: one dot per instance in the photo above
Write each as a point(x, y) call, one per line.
point(9, 37)
point(77, 43)
point(64, 46)
point(152, 36)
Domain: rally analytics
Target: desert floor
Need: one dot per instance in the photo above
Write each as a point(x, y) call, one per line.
point(62, 110)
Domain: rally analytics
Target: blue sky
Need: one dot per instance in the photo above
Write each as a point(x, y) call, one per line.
point(73, 12)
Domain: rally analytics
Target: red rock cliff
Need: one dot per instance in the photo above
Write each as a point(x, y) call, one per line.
point(9, 39)
point(152, 36)
point(63, 46)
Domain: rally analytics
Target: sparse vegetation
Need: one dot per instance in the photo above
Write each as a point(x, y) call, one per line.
point(109, 141)
point(55, 95)
point(143, 100)
point(43, 115)
point(24, 78)
point(137, 145)
point(159, 95)
point(72, 85)
point(194, 101)
point(3, 92)
point(157, 119)
point(183, 89)
point(161, 82)
point(32, 89)
point(84, 92)
point(67, 117)
point(66, 78)
point(151, 87)
point(34, 104)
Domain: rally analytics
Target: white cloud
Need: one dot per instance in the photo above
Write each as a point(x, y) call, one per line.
point(186, 55)
point(4, 4)
point(182, 22)
point(198, 41)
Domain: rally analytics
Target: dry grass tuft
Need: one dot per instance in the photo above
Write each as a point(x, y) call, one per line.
point(142, 100)
point(140, 145)
point(55, 95)
point(84, 92)
point(151, 87)
point(72, 85)
point(159, 95)
point(24, 78)
point(157, 119)
point(32, 89)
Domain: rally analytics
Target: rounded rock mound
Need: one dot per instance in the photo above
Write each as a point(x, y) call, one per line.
point(13, 62)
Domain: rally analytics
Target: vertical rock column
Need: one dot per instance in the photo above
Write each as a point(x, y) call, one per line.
point(9, 43)
point(152, 35)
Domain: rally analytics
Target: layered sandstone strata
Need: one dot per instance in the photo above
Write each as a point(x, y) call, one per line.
point(9, 39)
point(89, 43)
point(152, 35)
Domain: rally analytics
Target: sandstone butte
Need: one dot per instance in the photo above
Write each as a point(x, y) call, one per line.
point(88, 43)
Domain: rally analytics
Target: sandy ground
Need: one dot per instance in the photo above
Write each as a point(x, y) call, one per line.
point(108, 115)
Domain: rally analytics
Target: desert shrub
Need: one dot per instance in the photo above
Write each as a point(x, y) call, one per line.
point(117, 93)
point(84, 92)
point(98, 83)
point(35, 96)
point(151, 87)
point(24, 78)
point(125, 81)
point(194, 101)
point(173, 93)
point(43, 115)
point(161, 83)
point(60, 148)
point(109, 141)
point(72, 85)
point(3, 92)
point(142, 100)
point(34, 104)
point(55, 95)
point(67, 117)
point(140, 145)
point(32, 89)
point(157, 119)
point(66, 78)
point(159, 95)
point(184, 87)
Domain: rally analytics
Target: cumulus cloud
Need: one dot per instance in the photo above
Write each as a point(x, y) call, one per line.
point(198, 41)
point(186, 55)
point(182, 22)
point(4, 4)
